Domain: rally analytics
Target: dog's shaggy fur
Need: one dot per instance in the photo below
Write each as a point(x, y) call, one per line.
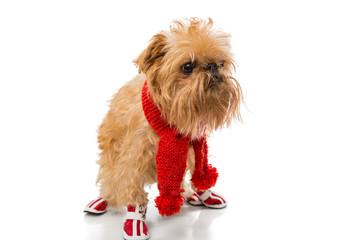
point(190, 102)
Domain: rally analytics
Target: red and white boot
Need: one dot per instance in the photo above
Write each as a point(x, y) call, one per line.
point(207, 198)
point(134, 226)
point(97, 206)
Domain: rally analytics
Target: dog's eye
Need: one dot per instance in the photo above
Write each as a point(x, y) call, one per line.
point(222, 64)
point(188, 68)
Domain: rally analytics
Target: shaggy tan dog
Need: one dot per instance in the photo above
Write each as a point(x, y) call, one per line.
point(188, 70)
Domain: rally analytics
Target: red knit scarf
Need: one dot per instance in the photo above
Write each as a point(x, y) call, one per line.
point(171, 160)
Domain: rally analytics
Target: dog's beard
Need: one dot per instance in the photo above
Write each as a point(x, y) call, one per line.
point(201, 102)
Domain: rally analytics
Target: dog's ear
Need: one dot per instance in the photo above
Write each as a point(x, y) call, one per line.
point(152, 54)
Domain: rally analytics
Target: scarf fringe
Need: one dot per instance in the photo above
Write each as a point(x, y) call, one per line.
point(169, 205)
point(206, 180)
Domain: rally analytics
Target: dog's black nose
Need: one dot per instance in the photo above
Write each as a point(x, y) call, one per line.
point(211, 67)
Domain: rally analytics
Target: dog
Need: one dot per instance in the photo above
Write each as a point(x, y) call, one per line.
point(156, 127)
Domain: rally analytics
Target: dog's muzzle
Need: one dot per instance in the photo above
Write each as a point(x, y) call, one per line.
point(212, 68)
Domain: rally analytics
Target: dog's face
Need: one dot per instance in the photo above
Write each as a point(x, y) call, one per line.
point(189, 74)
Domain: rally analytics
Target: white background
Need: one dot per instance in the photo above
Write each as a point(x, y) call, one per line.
point(290, 171)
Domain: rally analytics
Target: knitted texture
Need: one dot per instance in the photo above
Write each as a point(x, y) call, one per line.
point(171, 159)
point(205, 175)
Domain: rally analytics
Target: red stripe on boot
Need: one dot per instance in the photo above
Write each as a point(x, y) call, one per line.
point(128, 227)
point(218, 197)
point(131, 208)
point(145, 228)
point(95, 202)
point(101, 206)
point(138, 228)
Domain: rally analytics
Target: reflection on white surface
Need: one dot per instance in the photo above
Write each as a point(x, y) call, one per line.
point(193, 222)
